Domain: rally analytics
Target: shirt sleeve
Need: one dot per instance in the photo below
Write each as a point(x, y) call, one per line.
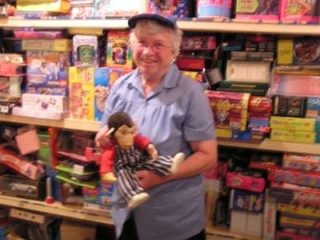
point(199, 124)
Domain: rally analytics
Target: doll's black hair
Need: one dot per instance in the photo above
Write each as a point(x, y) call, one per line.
point(119, 119)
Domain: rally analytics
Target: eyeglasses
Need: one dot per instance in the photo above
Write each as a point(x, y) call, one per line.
point(156, 47)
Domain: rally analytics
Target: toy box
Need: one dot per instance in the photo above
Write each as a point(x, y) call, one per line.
point(116, 8)
point(294, 222)
point(296, 177)
point(18, 186)
point(299, 11)
point(198, 43)
point(313, 107)
point(303, 162)
point(286, 192)
point(81, 95)
point(55, 45)
point(59, 6)
point(171, 8)
point(28, 112)
point(119, 54)
point(263, 10)
point(246, 200)
point(248, 71)
point(45, 102)
point(47, 70)
point(291, 123)
point(85, 50)
point(229, 109)
point(249, 183)
point(295, 85)
point(116, 73)
point(101, 91)
point(214, 9)
point(298, 51)
point(292, 136)
point(289, 106)
point(299, 210)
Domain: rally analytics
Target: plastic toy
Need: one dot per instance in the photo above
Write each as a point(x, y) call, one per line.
point(129, 153)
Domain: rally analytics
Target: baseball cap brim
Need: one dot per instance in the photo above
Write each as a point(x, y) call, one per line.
point(167, 22)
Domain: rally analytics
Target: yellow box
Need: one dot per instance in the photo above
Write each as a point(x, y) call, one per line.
point(58, 6)
point(291, 123)
point(285, 51)
point(293, 136)
point(81, 92)
point(223, 133)
point(55, 45)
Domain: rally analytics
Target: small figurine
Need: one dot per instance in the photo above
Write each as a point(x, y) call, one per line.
point(129, 153)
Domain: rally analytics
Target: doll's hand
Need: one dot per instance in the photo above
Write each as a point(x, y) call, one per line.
point(102, 139)
point(148, 179)
point(109, 178)
point(153, 152)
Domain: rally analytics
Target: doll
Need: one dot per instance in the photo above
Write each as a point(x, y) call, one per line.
point(131, 152)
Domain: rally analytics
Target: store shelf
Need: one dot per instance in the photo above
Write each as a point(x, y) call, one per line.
point(269, 145)
point(73, 124)
point(93, 126)
point(55, 209)
point(186, 25)
point(224, 233)
point(65, 23)
point(247, 27)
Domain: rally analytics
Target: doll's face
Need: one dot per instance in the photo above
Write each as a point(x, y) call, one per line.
point(125, 136)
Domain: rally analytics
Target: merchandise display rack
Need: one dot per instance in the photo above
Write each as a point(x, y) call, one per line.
point(185, 25)
point(230, 26)
point(93, 126)
point(55, 209)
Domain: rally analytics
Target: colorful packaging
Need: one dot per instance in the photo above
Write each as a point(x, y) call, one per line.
point(214, 9)
point(173, 8)
point(299, 11)
point(119, 54)
point(264, 10)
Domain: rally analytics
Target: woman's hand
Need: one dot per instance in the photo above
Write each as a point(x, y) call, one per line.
point(148, 179)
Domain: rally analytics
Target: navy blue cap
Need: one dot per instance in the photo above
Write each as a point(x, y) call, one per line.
point(165, 21)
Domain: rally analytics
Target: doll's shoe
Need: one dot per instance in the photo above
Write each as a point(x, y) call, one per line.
point(176, 162)
point(138, 199)
point(109, 178)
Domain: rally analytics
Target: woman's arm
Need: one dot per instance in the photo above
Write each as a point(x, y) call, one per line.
point(203, 158)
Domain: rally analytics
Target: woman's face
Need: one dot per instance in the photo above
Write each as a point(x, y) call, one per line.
point(153, 54)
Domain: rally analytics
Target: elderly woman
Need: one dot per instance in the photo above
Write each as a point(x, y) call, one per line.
point(173, 112)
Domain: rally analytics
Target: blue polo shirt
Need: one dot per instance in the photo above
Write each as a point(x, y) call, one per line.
point(176, 113)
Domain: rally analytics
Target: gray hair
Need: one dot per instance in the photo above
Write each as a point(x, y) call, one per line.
point(145, 26)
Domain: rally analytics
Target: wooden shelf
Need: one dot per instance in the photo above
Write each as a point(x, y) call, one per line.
point(269, 145)
point(55, 209)
point(59, 210)
point(93, 126)
point(73, 124)
point(186, 25)
point(224, 233)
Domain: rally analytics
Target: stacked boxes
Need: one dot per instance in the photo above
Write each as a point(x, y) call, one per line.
point(81, 95)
